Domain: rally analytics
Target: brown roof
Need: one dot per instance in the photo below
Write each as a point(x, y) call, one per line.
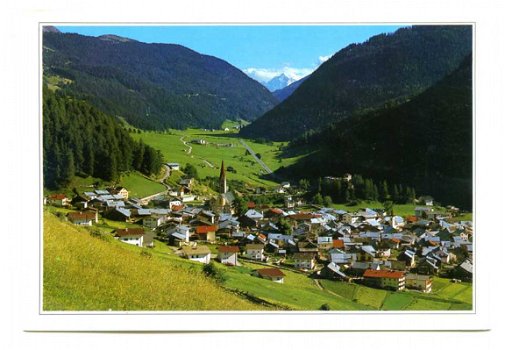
point(276, 211)
point(57, 196)
point(199, 249)
point(304, 216)
point(206, 229)
point(411, 218)
point(338, 243)
point(270, 272)
point(130, 232)
point(383, 274)
point(228, 249)
point(81, 216)
point(251, 205)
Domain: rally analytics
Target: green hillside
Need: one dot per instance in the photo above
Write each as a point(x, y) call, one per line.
point(386, 69)
point(425, 143)
point(85, 273)
point(221, 146)
point(80, 139)
point(153, 86)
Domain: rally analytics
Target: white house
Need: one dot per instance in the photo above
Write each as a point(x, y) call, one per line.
point(254, 251)
point(304, 261)
point(83, 218)
point(228, 255)
point(273, 274)
point(199, 253)
point(58, 200)
point(134, 236)
point(420, 282)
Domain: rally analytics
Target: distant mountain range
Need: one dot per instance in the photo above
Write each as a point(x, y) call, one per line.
point(284, 93)
point(153, 86)
point(279, 82)
point(425, 142)
point(386, 69)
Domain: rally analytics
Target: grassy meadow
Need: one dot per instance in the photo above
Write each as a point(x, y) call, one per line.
point(222, 146)
point(86, 273)
point(138, 186)
point(445, 296)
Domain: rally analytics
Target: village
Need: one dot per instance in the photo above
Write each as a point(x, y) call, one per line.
point(368, 246)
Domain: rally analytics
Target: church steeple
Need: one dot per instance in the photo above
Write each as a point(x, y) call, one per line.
point(223, 187)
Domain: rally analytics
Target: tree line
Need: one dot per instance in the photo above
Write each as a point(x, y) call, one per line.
point(79, 139)
point(337, 190)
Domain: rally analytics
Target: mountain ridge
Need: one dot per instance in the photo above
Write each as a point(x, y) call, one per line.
point(384, 69)
point(425, 142)
point(153, 86)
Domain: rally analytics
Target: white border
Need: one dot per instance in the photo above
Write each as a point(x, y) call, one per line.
point(22, 22)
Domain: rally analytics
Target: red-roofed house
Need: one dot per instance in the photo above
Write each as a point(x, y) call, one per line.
point(301, 216)
point(338, 243)
point(386, 279)
point(58, 200)
point(228, 254)
point(85, 218)
point(251, 205)
point(206, 233)
point(273, 274)
point(133, 236)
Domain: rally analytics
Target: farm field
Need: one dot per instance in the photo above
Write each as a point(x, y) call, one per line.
point(445, 296)
point(298, 292)
point(222, 146)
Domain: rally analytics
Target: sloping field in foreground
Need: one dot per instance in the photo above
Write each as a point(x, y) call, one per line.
point(86, 273)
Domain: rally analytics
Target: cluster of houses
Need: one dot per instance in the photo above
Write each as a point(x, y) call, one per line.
point(366, 246)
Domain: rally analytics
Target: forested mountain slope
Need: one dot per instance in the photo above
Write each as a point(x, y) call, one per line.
point(153, 86)
point(426, 142)
point(80, 139)
point(386, 69)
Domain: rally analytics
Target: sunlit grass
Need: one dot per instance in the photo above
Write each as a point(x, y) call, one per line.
point(82, 272)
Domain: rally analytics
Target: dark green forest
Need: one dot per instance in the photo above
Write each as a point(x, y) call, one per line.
point(388, 69)
point(80, 139)
point(153, 86)
point(426, 142)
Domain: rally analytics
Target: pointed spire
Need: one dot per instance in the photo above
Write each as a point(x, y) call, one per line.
point(222, 179)
point(223, 172)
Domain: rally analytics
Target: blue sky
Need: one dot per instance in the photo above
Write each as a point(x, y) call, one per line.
point(262, 51)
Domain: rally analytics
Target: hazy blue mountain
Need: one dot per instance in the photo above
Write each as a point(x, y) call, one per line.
point(279, 82)
point(285, 92)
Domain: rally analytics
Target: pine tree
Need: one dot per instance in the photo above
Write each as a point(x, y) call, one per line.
point(384, 192)
point(67, 168)
point(396, 194)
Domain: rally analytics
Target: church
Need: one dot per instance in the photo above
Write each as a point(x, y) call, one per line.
point(224, 201)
